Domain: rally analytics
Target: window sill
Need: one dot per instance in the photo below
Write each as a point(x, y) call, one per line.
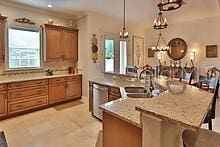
point(23, 69)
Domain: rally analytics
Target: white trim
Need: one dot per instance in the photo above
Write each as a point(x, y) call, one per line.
point(7, 47)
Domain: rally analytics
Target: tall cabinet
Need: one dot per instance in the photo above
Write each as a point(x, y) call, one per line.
point(2, 37)
point(61, 43)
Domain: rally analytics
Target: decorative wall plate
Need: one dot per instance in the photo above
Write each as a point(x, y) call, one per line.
point(178, 49)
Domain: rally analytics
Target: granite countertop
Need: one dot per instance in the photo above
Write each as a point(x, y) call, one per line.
point(187, 109)
point(29, 77)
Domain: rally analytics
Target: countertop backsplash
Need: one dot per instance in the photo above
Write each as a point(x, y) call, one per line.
point(58, 67)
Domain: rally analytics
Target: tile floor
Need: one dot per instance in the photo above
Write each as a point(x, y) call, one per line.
point(69, 125)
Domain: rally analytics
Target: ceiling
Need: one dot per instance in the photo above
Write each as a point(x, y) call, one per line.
point(138, 11)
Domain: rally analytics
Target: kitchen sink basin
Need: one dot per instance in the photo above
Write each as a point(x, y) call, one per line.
point(135, 90)
point(139, 95)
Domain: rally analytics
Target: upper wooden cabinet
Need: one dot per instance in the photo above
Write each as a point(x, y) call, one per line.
point(53, 43)
point(2, 37)
point(70, 45)
point(61, 43)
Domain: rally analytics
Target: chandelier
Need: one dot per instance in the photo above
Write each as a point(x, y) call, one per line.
point(169, 5)
point(160, 22)
point(159, 48)
point(124, 32)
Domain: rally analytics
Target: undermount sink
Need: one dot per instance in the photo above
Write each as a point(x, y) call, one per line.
point(135, 90)
point(139, 95)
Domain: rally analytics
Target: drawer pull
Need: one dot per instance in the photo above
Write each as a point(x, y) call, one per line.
point(39, 101)
point(19, 106)
point(19, 94)
point(39, 82)
point(39, 91)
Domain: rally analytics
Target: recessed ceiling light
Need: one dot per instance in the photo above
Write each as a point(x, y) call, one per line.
point(49, 6)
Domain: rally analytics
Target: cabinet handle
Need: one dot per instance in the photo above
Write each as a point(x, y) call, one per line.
point(18, 85)
point(39, 101)
point(39, 91)
point(19, 94)
point(39, 83)
point(19, 106)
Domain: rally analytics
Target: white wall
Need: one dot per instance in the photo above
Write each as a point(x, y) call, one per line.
point(39, 17)
point(99, 24)
point(197, 34)
point(83, 53)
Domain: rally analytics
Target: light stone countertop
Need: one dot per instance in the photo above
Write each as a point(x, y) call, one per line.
point(29, 77)
point(187, 109)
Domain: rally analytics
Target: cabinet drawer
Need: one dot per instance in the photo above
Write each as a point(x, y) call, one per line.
point(57, 80)
point(3, 86)
point(14, 107)
point(74, 78)
point(113, 97)
point(115, 91)
point(27, 92)
point(27, 84)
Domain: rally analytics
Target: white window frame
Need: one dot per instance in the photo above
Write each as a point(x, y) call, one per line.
point(7, 47)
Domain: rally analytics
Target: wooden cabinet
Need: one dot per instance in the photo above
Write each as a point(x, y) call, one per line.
point(90, 97)
point(114, 93)
point(27, 104)
point(74, 87)
point(61, 43)
point(115, 131)
point(57, 90)
point(27, 84)
point(70, 45)
point(2, 37)
point(27, 95)
point(53, 42)
point(3, 103)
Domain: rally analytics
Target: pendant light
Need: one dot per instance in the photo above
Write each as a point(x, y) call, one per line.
point(124, 32)
point(169, 5)
point(160, 22)
point(159, 48)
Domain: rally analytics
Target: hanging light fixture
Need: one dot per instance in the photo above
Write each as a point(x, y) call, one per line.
point(124, 32)
point(159, 48)
point(160, 22)
point(169, 5)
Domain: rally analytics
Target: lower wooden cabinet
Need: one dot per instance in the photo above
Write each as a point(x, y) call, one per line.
point(18, 106)
point(74, 89)
point(21, 97)
point(114, 93)
point(3, 103)
point(57, 92)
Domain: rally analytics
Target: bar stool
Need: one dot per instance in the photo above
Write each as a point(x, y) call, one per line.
point(202, 138)
point(3, 142)
point(211, 114)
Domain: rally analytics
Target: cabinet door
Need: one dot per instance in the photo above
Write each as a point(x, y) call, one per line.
point(3, 103)
point(57, 92)
point(53, 43)
point(70, 45)
point(74, 89)
point(2, 48)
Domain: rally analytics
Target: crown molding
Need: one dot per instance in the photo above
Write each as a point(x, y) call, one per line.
point(39, 10)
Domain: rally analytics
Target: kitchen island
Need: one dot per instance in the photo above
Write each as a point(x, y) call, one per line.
point(168, 113)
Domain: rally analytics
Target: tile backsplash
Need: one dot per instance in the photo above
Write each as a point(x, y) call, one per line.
point(56, 66)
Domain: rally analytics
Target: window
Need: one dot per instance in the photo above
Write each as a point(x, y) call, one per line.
point(109, 55)
point(123, 57)
point(23, 48)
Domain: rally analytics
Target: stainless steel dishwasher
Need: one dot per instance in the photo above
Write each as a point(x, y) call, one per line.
point(100, 96)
